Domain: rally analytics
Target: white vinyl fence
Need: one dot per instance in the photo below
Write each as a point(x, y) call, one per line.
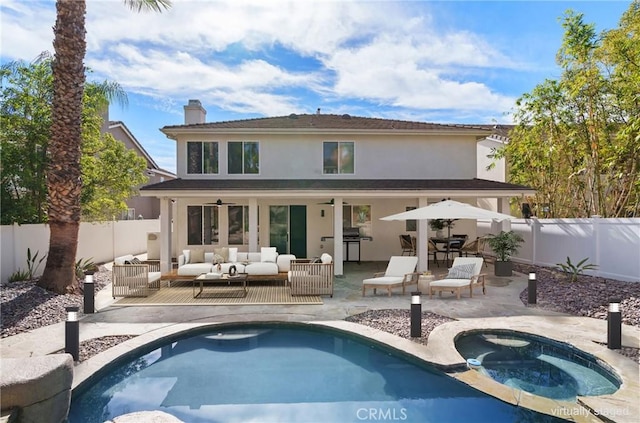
point(100, 242)
point(611, 244)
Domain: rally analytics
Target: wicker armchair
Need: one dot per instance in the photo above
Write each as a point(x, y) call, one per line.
point(135, 280)
point(309, 278)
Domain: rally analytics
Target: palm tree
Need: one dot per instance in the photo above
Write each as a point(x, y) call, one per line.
point(64, 184)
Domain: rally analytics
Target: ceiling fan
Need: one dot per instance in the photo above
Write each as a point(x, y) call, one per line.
point(219, 203)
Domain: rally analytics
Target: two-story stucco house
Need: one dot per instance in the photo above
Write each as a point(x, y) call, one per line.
point(299, 182)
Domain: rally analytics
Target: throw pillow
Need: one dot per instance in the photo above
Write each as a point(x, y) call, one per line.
point(135, 260)
point(222, 252)
point(233, 254)
point(187, 256)
point(268, 254)
point(218, 259)
point(197, 255)
point(326, 258)
point(461, 271)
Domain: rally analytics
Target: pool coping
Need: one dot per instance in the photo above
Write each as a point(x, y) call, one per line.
point(621, 406)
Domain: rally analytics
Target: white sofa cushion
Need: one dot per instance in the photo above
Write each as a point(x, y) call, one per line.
point(233, 254)
point(254, 257)
point(284, 262)
point(261, 269)
point(195, 269)
point(243, 257)
point(187, 256)
point(268, 254)
point(224, 267)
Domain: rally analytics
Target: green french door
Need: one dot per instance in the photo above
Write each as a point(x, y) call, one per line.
point(288, 229)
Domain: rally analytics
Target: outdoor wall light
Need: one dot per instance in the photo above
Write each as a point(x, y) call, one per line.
point(614, 325)
point(72, 333)
point(416, 315)
point(532, 288)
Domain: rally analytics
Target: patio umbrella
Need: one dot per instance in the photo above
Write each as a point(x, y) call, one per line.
point(448, 210)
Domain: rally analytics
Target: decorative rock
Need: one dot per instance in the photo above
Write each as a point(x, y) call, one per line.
point(39, 386)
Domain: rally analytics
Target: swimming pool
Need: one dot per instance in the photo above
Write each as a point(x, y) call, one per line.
point(537, 365)
point(284, 373)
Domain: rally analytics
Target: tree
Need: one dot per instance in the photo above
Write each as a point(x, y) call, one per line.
point(109, 171)
point(64, 185)
point(25, 118)
point(576, 138)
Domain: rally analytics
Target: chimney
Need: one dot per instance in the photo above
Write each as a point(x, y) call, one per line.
point(194, 113)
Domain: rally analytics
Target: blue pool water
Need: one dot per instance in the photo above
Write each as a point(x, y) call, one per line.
point(284, 373)
point(537, 365)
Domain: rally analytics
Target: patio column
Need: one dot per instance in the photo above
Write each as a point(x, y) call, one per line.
point(165, 234)
point(504, 207)
point(253, 224)
point(338, 268)
point(422, 239)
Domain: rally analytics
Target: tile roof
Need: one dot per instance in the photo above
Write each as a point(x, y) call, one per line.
point(474, 184)
point(327, 122)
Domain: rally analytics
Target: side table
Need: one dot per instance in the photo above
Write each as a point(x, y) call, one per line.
point(424, 281)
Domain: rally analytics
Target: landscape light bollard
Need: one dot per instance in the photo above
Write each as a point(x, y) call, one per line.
point(89, 290)
point(531, 288)
point(416, 315)
point(72, 333)
point(614, 325)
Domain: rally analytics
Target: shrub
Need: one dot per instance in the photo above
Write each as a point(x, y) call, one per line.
point(19, 275)
point(505, 244)
point(575, 270)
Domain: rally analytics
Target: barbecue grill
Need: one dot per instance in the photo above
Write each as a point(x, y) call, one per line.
point(351, 243)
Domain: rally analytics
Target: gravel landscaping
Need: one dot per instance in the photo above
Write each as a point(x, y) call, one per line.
point(24, 307)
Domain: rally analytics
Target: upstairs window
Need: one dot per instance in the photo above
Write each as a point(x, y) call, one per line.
point(338, 157)
point(244, 157)
point(202, 157)
point(202, 225)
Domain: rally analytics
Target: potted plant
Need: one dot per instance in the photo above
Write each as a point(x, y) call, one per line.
point(504, 245)
point(438, 225)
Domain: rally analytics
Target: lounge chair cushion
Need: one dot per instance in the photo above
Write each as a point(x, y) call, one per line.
point(453, 283)
point(384, 280)
point(461, 271)
point(400, 266)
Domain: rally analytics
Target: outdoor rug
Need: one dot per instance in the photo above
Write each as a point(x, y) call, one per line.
point(256, 295)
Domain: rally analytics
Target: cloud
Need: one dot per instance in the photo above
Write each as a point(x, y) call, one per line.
point(270, 57)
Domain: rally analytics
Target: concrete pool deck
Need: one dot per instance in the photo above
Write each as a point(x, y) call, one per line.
point(499, 308)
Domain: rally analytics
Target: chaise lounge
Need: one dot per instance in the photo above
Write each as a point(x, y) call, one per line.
point(400, 272)
point(463, 274)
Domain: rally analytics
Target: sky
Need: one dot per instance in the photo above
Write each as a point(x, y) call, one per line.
point(429, 61)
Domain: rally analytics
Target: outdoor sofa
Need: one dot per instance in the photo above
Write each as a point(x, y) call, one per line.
point(267, 262)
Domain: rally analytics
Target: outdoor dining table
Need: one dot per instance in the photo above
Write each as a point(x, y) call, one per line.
point(449, 243)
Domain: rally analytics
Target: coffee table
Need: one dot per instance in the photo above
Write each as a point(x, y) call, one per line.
point(220, 285)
